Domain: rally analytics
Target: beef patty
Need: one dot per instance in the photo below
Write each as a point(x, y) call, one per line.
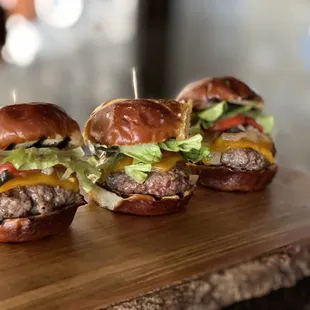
point(244, 159)
point(34, 200)
point(158, 184)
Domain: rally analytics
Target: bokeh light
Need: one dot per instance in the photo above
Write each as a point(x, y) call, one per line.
point(23, 41)
point(59, 14)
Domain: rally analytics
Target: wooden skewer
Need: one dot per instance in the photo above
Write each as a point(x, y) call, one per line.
point(134, 82)
point(14, 95)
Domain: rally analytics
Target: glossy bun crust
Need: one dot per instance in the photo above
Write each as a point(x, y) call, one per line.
point(219, 89)
point(225, 179)
point(21, 123)
point(37, 227)
point(134, 121)
point(138, 204)
point(148, 205)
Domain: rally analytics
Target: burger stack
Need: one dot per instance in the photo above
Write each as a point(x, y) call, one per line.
point(230, 116)
point(41, 171)
point(141, 148)
point(144, 155)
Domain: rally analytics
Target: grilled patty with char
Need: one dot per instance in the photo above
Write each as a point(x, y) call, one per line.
point(26, 201)
point(158, 184)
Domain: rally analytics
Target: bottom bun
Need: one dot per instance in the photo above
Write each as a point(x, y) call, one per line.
point(138, 204)
point(38, 226)
point(225, 179)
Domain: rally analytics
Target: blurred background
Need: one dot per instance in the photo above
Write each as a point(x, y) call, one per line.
point(78, 53)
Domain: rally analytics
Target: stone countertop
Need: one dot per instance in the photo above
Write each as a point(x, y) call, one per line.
point(297, 297)
point(250, 280)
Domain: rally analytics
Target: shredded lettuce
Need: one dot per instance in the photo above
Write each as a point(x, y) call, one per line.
point(187, 145)
point(214, 113)
point(145, 153)
point(143, 156)
point(138, 172)
point(195, 155)
point(191, 148)
point(42, 158)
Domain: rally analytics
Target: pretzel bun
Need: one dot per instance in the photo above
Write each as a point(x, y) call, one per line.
point(28, 123)
point(134, 121)
point(37, 227)
point(138, 204)
point(218, 89)
point(225, 179)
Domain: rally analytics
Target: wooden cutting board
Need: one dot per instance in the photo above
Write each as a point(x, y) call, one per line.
point(106, 257)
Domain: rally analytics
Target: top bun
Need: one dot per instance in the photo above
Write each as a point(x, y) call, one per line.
point(28, 123)
point(133, 121)
point(219, 89)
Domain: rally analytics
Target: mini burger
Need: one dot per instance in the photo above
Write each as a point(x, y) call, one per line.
point(141, 147)
point(41, 158)
point(241, 149)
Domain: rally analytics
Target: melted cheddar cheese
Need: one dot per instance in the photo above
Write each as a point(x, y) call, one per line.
point(39, 179)
point(263, 147)
point(122, 163)
point(169, 160)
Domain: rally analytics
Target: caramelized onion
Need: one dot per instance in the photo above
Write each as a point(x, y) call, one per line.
point(251, 135)
point(215, 158)
point(193, 178)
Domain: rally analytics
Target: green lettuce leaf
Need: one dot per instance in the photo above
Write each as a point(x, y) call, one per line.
point(195, 155)
point(190, 149)
point(42, 158)
point(196, 129)
point(266, 121)
point(187, 145)
point(144, 153)
point(138, 172)
point(205, 125)
point(232, 111)
point(213, 113)
point(104, 163)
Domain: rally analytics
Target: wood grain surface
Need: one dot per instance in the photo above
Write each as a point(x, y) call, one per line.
point(242, 283)
point(107, 257)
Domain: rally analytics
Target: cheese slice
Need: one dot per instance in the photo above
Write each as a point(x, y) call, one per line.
point(122, 163)
point(39, 179)
point(263, 147)
point(168, 161)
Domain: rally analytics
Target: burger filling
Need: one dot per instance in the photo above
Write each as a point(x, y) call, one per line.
point(247, 149)
point(223, 116)
point(37, 181)
point(155, 169)
point(239, 135)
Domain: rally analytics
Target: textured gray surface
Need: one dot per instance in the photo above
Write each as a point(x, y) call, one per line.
point(255, 278)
